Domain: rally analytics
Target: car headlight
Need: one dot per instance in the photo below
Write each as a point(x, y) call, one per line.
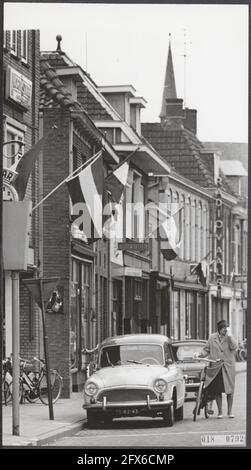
point(91, 388)
point(160, 385)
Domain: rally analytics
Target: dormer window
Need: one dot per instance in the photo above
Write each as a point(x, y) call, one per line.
point(234, 171)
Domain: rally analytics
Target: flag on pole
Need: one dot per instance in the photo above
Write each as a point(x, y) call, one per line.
point(169, 232)
point(116, 181)
point(202, 271)
point(86, 191)
point(24, 167)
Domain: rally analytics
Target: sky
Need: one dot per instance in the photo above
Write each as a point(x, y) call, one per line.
point(123, 44)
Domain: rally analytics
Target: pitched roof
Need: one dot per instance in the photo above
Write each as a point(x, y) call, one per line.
point(52, 90)
point(184, 152)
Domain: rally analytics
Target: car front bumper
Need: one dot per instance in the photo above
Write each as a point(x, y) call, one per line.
point(192, 387)
point(136, 405)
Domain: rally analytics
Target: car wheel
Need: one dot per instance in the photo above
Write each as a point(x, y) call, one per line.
point(179, 413)
point(168, 416)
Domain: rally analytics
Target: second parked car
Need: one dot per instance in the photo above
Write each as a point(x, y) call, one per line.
point(191, 367)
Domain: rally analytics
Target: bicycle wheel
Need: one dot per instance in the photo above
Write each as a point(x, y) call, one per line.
point(56, 387)
point(6, 392)
point(196, 409)
point(32, 395)
point(9, 395)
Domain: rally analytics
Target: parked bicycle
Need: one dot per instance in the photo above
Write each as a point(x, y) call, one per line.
point(203, 399)
point(6, 380)
point(241, 352)
point(33, 384)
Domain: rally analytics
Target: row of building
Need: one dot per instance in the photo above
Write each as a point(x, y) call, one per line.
point(115, 286)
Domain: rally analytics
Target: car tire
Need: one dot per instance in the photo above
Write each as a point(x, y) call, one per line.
point(168, 416)
point(179, 414)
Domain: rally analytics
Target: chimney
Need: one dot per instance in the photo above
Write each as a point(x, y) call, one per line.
point(190, 121)
point(174, 114)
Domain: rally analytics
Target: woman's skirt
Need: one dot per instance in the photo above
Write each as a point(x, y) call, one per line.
point(216, 387)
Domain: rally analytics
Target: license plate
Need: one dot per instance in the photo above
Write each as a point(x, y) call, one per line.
point(127, 412)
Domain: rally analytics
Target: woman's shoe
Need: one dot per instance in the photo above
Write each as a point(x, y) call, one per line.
point(220, 416)
point(231, 416)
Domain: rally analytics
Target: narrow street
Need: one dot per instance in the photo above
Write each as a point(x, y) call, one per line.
point(143, 432)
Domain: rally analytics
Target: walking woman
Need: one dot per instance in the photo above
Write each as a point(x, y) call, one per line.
point(220, 377)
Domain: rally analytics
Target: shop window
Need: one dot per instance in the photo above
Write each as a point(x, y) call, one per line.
point(24, 46)
point(13, 42)
point(114, 290)
point(82, 315)
point(138, 289)
point(175, 327)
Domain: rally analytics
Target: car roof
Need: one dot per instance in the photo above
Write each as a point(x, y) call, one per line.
point(187, 342)
point(136, 338)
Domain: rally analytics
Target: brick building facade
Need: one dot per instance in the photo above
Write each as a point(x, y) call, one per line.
point(21, 67)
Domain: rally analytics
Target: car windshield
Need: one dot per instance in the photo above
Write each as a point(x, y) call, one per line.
point(131, 354)
point(186, 352)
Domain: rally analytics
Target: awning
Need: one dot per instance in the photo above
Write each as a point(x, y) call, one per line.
point(146, 159)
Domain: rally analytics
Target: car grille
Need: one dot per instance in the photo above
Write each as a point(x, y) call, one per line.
point(126, 394)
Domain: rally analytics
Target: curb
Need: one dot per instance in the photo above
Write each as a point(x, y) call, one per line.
point(65, 431)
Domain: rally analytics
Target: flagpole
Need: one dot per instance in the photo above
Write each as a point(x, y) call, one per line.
point(67, 178)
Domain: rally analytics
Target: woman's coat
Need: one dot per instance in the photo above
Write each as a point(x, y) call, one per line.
point(224, 350)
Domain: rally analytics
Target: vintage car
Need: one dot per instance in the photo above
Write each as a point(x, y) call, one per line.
point(136, 375)
point(183, 352)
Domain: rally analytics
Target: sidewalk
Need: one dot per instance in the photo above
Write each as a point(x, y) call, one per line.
point(36, 429)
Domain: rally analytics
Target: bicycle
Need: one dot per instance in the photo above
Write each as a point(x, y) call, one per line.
point(6, 379)
point(203, 399)
point(33, 384)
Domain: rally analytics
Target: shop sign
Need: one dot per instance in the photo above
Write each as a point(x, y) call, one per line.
point(18, 88)
point(133, 246)
point(9, 175)
point(127, 271)
point(218, 230)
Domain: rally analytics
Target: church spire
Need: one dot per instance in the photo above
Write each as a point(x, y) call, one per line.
point(169, 91)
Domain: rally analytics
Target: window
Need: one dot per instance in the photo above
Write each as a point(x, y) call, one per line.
point(13, 42)
point(12, 151)
point(5, 39)
point(198, 228)
point(137, 290)
point(188, 228)
point(193, 231)
point(24, 46)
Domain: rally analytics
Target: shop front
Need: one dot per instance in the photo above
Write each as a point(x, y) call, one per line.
point(82, 315)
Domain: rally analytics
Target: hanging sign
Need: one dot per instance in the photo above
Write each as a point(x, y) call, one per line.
point(218, 230)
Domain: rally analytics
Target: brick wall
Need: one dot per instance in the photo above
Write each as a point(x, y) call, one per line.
point(29, 312)
point(56, 235)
